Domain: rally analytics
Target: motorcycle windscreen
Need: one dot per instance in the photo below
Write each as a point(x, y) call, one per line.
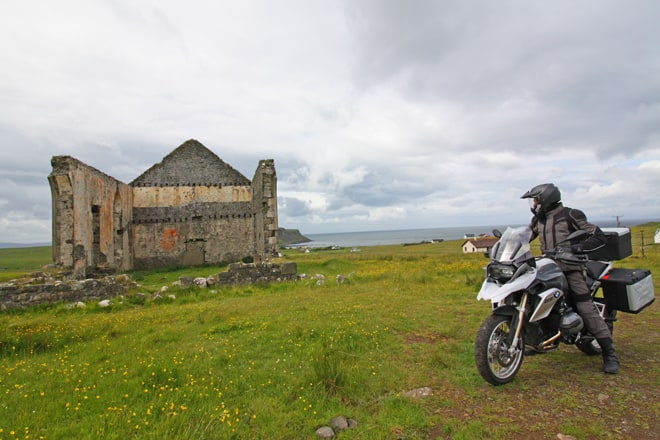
point(513, 244)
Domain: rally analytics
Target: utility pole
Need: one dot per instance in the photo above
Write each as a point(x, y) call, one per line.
point(642, 243)
point(618, 221)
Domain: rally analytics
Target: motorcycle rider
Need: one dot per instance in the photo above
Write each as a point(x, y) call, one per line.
point(553, 223)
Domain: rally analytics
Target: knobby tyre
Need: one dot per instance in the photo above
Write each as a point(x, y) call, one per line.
point(495, 362)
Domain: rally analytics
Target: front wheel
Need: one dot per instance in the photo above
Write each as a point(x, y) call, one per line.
point(496, 362)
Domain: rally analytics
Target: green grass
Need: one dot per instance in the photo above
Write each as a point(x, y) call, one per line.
point(15, 261)
point(280, 360)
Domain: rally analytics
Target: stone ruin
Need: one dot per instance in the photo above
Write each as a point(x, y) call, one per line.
point(190, 209)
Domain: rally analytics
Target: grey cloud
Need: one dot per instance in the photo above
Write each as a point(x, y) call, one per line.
point(440, 110)
point(385, 187)
point(581, 67)
point(293, 207)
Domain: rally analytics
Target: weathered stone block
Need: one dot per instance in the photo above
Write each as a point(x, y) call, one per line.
point(289, 268)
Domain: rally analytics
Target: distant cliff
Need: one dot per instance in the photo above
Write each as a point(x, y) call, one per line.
point(291, 236)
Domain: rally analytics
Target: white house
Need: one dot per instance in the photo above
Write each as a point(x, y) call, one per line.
point(656, 239)
point(478, 244)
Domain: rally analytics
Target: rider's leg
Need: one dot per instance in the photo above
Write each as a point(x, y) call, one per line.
point(592, 319)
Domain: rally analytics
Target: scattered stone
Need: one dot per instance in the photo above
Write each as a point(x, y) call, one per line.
point(339, 423)
point(342, 278)
point(201, 282)
point(105, 303)
point(122, 278)
point(418, 393)
point(185, 281)
point(565, 437)
point(325, 432)
point(320, 279)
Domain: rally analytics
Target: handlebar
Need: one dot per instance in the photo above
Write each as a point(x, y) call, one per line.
point(566, 255)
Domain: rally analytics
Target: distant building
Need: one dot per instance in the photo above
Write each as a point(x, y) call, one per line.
point(479, 244)
point(191, 208)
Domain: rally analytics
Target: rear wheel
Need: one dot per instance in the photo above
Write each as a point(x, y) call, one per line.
point(589, 345)
point(497, 362)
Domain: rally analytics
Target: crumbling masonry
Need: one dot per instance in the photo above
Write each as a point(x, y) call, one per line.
point(191, 208)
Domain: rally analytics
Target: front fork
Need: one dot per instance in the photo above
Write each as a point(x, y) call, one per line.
point(517, 321)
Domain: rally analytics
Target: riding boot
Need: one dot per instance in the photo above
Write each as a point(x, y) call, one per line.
point(610, 360)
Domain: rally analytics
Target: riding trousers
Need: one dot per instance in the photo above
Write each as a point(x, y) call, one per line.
point(585, 306)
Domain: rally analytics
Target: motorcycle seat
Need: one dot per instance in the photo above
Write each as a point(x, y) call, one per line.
point(596, 269)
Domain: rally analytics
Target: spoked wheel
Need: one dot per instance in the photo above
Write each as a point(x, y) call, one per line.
point(496, 363)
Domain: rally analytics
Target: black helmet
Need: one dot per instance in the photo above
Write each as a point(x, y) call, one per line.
point(547, 195)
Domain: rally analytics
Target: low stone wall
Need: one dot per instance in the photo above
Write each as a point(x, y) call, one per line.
point(42, 290)
point(258, 273)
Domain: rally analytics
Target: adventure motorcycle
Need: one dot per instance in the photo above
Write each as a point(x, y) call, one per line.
point(530, 307)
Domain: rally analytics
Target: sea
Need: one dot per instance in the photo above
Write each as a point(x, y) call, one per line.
point(415, 236)
point(402, 236)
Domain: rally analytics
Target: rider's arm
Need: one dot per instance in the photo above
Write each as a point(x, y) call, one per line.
point(596, 237)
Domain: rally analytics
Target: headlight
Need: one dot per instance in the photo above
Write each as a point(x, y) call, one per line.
point(500, 272)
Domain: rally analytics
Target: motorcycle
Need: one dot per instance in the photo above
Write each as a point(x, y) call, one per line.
point(530, 307)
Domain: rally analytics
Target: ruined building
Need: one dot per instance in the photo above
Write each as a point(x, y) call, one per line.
point(191, 208)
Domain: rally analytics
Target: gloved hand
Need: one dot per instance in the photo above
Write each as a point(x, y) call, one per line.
point(577, 248)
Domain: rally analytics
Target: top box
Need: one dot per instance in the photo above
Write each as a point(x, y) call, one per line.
point(618, 245)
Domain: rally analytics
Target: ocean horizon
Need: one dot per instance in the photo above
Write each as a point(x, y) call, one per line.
point(413, 236)
point(398, 236)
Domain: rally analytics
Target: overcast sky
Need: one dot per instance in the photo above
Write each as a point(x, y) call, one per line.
point(379, 114)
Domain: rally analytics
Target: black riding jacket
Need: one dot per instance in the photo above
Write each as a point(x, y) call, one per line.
point(555, 225)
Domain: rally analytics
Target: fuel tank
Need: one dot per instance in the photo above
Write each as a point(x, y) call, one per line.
point(549, 275)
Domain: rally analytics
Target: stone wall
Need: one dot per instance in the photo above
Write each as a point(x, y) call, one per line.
point(40, 288)
point(18, 295)
point(255, 273)
point(212, 241)
point(91, 217)
point(264, 192)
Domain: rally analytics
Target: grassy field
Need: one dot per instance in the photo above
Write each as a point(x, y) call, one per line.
point(281, 360)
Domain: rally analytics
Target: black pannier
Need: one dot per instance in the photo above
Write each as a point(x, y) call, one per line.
point(618, 245)
point(628, 290)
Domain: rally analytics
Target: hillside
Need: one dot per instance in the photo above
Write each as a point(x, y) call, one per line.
point(291, 236)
